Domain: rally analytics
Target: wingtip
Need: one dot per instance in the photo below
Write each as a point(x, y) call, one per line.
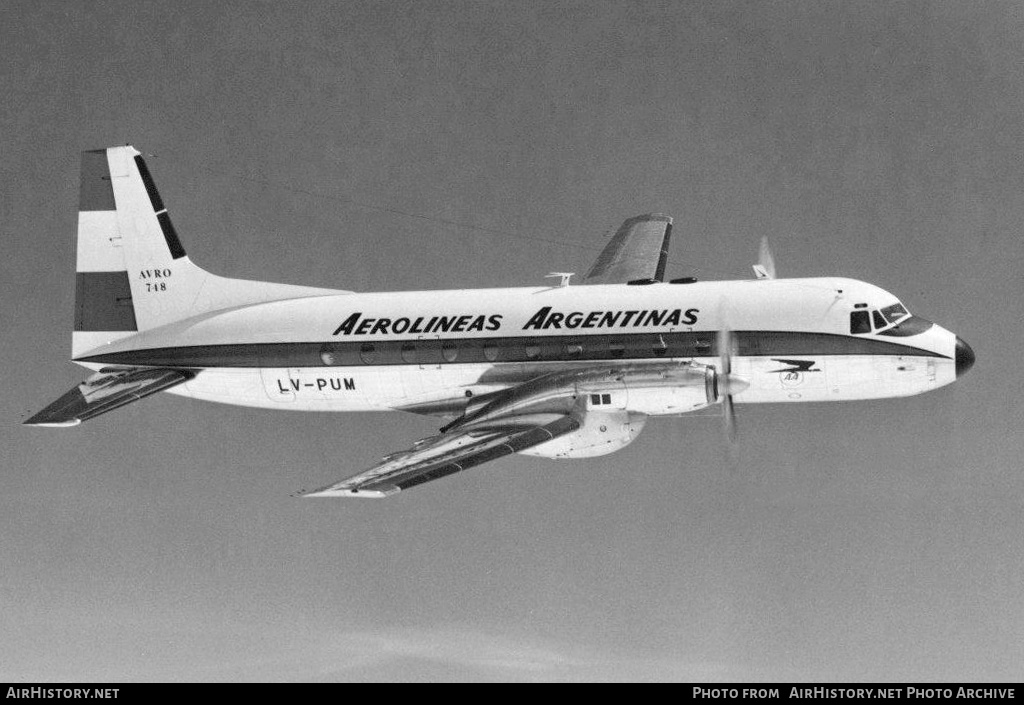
point(644, 217)
point(50, 424)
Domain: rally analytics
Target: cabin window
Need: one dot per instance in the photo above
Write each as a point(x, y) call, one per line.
point(329, 355)
point(409, 352)
point(660, 347)
point(616, 349)
point(859, 323)
point(491, 351)
point(368, 353)
point(879, 319)
point(449, 351)
point(532, 350)
point(573, 350)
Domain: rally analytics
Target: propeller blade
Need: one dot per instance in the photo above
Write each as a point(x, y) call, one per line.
point(765, 267)
point(729, 412)
point(728, 384)
point(725, 352)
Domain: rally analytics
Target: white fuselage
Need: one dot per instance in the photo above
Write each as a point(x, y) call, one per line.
point(431, 351)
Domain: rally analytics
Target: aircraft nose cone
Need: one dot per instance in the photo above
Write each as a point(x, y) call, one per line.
point(964, 357)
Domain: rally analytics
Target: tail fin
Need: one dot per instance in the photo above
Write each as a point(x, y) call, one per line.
point(132, 271)
point(104, 308)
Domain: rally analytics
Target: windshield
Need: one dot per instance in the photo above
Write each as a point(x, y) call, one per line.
point(862, 318)
point(894, 313)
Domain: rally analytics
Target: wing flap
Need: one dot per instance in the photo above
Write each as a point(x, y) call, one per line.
point(445, 455)
point(637, 252)
point(106, 391)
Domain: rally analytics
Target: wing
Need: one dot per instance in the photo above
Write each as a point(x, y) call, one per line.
point(106, 391)
point(450, 452)
point(509, 421)
point(637, 252)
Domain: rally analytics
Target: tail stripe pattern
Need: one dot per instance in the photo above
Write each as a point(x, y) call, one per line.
point(103, 302)
point(103, 297)
point(95, 193)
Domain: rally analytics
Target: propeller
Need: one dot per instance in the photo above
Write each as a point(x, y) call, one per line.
point(765, 267)
point(728, 384)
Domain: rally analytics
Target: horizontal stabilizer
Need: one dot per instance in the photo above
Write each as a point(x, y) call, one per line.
point(106, 391)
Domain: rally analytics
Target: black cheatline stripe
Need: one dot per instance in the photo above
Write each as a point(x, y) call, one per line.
point(103, 302)
point(595, 348)
point(147, 180)
point(171, 236)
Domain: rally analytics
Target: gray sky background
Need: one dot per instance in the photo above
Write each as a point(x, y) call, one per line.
point(869, 540)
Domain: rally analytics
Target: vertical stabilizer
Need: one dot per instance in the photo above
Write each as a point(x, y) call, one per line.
point(132, 271)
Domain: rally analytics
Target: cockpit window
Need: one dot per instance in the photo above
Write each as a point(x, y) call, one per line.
point(879, 320)
point(859, 323)
point(894, 313)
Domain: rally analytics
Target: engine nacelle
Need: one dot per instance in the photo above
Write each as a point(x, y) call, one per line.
point(603, 432)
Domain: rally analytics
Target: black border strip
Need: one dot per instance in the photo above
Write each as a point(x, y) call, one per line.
point(170, 235)
point(147, 180)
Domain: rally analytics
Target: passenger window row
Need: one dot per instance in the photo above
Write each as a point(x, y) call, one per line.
point(429, 352)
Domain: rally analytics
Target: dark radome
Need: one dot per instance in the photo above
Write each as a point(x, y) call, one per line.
point(964, 357)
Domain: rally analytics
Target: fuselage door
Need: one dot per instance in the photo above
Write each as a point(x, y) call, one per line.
point(280, 384)
point(429, 353)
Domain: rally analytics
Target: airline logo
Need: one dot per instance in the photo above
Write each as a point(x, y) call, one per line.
point(795, 366)
point(357, 325)
point(544, 319)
